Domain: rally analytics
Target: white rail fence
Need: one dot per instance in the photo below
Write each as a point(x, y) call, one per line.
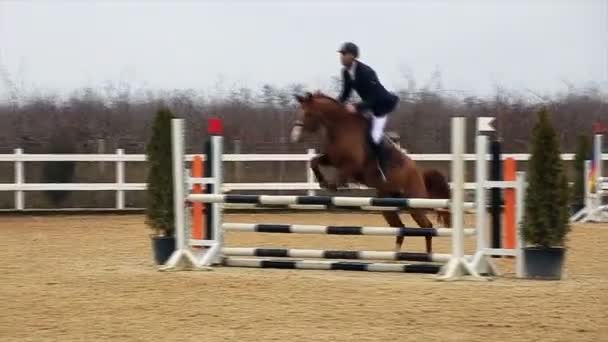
point(20, 187)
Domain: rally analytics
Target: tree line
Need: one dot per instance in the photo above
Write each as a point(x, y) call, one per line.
point(260, 120)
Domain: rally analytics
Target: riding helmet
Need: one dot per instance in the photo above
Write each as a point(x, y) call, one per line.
point(351, 48)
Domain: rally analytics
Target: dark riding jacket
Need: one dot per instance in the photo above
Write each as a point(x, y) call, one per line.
point(374, 96)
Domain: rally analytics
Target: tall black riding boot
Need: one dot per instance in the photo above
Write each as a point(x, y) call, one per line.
point(381, 157)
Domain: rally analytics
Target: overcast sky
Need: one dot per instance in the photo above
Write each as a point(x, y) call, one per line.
point(475, 44)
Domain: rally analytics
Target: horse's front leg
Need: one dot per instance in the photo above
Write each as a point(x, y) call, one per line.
point(315, 165)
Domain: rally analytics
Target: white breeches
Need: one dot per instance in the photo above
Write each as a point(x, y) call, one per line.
point(378, 125)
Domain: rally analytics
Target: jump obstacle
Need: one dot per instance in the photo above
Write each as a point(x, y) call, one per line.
point(596, 187)
point(450, 266)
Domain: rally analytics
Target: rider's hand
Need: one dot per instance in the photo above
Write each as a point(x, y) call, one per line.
point(351, 108)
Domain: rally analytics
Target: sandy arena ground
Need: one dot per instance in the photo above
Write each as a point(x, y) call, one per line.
point(91, 278)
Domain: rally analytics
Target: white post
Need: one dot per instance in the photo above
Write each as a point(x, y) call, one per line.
point(597, 156)
point(177, 131)
point(217, 172)
point(310, 176)
point(19, 180)
point(458, 127)
point(520, 202)
point(458, 265)
point(595, 214)
point(481, 175)
point(120, 179)
point(589, 201)
point(182, 247)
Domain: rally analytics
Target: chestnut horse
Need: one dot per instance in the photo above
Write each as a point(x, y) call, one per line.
point(346, 148)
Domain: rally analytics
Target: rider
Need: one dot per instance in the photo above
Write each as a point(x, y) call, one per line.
point(374, 97)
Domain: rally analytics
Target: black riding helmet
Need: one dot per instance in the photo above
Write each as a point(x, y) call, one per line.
point(351, 48)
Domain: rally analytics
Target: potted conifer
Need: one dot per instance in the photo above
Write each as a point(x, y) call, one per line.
point(159, 209)
point(545, 223)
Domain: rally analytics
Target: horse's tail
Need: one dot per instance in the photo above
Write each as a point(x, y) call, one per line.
point(437, 187)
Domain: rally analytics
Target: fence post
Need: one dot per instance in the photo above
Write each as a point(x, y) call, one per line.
point(19, 180)
point(120, 179)
point(310, 176)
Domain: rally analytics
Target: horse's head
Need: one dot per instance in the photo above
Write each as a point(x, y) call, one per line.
point(315, 112)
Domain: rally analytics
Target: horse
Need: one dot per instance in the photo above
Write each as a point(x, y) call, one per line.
point(346, 148)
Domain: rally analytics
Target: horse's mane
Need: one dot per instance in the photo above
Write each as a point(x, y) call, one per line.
point(342, 110)
point(325, 97)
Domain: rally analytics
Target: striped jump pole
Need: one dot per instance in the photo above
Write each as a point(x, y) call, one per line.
point(339, 230)
point(332, 201)
point(334, 254)
point(311, 207)
point(330, 265)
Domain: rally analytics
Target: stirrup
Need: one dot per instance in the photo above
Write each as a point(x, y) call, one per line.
point(382, 175)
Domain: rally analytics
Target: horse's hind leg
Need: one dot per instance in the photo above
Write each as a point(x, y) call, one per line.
point(419, 215)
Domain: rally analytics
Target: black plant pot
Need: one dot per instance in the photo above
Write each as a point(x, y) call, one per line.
point(544, 262)
point(163, 247)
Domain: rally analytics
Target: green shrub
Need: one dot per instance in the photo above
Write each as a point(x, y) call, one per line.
point(546, 210)
point(159, 210)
